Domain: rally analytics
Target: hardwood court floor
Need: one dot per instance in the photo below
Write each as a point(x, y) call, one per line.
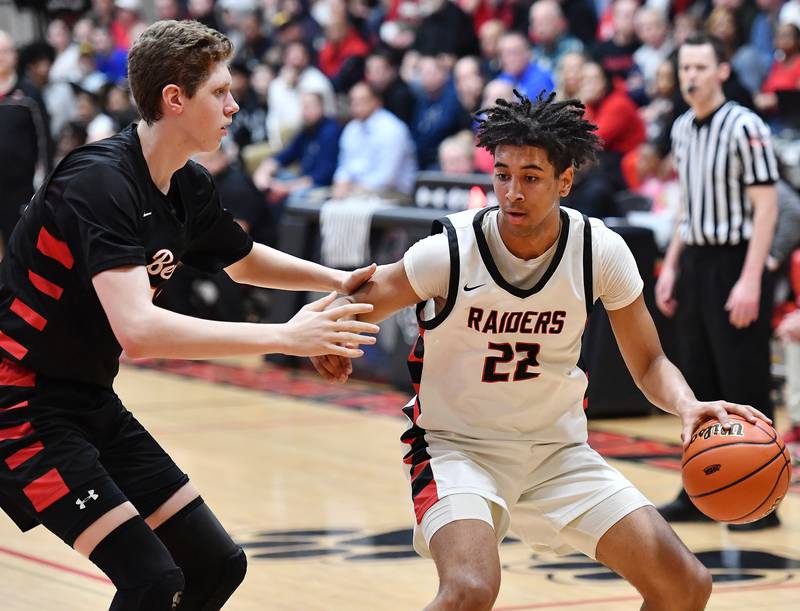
point(311, 482)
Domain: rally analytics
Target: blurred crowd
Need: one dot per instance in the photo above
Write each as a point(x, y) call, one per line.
point(344, 98)
point(414, 72)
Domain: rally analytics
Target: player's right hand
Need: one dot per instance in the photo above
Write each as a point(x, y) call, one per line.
point(315, 331)
point(332, 367)
point(665, 288)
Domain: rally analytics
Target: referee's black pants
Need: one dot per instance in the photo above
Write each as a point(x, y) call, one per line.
point(718, 360)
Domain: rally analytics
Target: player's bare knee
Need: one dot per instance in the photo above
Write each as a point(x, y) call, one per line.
point(469, 592)
point(688, 576)
point(698, 587)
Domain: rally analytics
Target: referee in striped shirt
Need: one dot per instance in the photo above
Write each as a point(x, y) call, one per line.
point(713, 279)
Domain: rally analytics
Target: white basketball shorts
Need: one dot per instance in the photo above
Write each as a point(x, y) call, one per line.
point(556, 497)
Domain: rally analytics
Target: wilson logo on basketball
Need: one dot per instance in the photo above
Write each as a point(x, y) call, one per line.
point(736, 430)
point(711, 469)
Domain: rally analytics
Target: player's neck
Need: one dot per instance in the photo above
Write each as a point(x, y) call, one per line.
point(531, 243)
point(706, 107)
point(162, 152)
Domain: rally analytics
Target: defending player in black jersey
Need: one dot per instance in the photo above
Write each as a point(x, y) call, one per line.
point(100, 237)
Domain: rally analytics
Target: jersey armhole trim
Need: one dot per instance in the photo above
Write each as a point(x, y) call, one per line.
point(588, 273)
point(455, 274)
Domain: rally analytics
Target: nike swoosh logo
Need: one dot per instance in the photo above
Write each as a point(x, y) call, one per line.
point(147, 214)
point(472, 288)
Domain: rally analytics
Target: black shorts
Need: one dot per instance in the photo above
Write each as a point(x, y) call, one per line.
point(71, 452)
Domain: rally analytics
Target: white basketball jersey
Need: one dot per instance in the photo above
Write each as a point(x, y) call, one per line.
point(498, 361)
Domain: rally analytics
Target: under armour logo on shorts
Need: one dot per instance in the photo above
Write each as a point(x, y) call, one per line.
point(81, 503)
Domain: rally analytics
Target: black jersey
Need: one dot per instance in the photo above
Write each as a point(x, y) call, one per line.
point(101, 210)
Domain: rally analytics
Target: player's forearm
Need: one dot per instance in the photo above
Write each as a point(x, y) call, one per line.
point(664, 385)
point(765, 215)
point(271, 268)
point(160, 333)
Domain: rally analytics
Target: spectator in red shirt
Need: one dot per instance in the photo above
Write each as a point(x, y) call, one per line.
point(785, 72)
point(617, 117)
point(341, 57)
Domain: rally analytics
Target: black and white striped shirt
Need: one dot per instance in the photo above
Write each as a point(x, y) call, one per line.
point(717, 158)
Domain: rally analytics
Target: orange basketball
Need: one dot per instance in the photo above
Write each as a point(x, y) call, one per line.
point(739, 475)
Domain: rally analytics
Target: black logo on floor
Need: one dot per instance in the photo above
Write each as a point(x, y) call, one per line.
point(356, 545)
point(726, 566)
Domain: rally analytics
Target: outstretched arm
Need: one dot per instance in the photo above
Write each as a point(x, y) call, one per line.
point(145, 330)
point(659, 379)
point(271, 268)
point(387, 291)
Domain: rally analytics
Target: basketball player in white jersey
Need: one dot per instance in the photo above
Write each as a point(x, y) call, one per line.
point(497, 435)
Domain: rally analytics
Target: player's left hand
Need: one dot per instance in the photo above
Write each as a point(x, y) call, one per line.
point(694, 413)
point(742, 303)
point(356, 278)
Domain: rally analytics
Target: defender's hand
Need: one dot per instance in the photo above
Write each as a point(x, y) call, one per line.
point(353, 281)
point(315, 331)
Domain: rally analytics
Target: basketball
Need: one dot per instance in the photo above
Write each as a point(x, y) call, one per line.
point(739, 475)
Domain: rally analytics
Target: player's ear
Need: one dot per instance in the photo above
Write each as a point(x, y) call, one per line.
point(172, 99)
point(565, 181)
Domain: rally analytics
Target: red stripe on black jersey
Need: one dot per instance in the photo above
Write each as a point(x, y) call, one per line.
point(26, 453)
point(12, 346)
point(54, 248)
point(45, 286)
point(16, 432)
point(34, 319)
point(14, 374)
point(46, 490)
point(15, 406)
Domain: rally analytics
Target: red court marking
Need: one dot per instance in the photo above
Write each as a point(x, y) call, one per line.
point(54, 565)
point(54, 248)
point(45, 286)
point(595, 601)
point(29, 315)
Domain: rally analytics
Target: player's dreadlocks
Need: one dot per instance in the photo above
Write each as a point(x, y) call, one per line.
point(557, 127)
